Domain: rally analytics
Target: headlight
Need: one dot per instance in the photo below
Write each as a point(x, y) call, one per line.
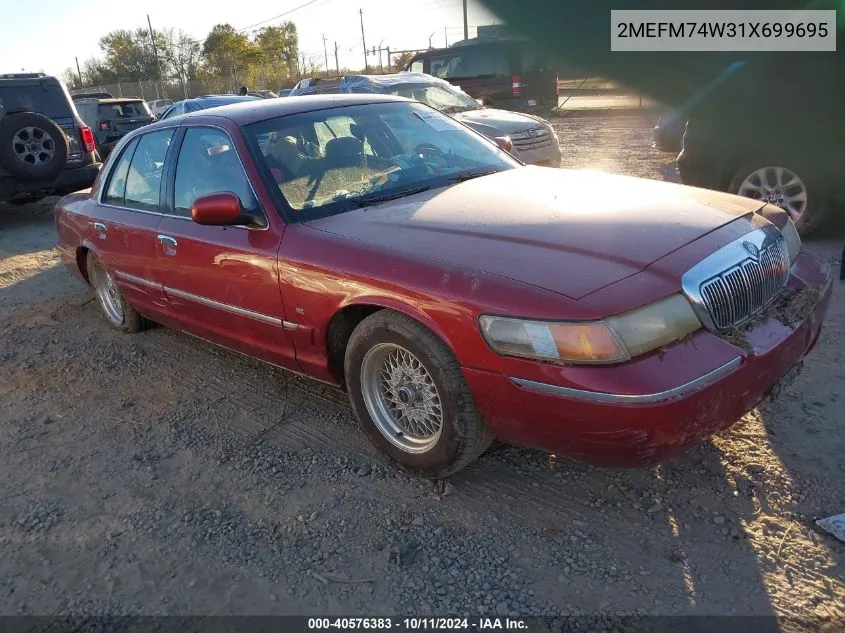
point(612, 340)
point(793, 242)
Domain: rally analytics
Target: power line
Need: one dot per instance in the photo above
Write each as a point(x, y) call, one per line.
point(276, 17)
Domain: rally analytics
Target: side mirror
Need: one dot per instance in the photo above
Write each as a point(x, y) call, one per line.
point(504, 142)
point(220, 209)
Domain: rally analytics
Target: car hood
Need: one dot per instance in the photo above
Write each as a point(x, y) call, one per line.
point(568, 231)
point(500, 121)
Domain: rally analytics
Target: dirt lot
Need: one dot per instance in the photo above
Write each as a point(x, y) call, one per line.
point(158, 474)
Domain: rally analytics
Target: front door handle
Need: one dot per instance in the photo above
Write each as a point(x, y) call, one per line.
point(100, 229)
point(168, 244)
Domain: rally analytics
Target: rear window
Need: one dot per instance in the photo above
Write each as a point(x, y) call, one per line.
point(472, 62)
point(46, 98)
point(127, 110)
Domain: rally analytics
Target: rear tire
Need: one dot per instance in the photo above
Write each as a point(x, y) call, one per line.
point(411, 398)
point(748, 181)
point(32, 146)
point(119, 314)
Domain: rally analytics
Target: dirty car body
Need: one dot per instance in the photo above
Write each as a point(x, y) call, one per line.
point(467, 295)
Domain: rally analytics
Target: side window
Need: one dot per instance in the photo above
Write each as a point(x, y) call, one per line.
point(117, 180)
point(143, 183)
point(208, 163)
point(416, 66)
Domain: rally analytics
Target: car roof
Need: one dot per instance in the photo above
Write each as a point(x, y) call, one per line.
point(112, 100)
point(222, 98)
point(370, 83)
point(261, 109)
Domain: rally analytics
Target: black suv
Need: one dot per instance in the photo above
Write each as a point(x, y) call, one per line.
point(111, 119)
point(45, 147)
point(785, 147)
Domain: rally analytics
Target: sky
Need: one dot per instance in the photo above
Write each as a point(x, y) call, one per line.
point(67, 30)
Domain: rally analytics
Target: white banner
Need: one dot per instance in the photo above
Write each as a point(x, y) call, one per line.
point(808, 30)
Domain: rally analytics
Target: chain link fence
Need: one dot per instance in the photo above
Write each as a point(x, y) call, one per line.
point(151, 90)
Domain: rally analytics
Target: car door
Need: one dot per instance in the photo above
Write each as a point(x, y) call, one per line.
point(222, 281)
point(124, 234)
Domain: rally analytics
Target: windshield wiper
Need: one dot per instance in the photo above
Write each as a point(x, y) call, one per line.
point(374, 199)
point(471, 175)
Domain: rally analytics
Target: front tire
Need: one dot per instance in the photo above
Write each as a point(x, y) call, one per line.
point(411, 398)
point(119, 314)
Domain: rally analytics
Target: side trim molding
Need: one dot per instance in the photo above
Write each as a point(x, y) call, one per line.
point(211, 303)
point(137, 280)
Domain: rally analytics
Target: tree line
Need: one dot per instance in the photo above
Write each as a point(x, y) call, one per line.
point(223, 61)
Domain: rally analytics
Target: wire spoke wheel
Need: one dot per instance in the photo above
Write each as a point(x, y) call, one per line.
point(108, 294)
point(401, 398)
point(779, 186)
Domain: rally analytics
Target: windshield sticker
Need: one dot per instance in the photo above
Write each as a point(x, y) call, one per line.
point(437, 121)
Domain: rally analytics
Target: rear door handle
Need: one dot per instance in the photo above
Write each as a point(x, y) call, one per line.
point(168, 244)
point(100, 229)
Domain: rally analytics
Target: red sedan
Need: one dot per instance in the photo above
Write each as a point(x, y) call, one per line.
point(374, 243)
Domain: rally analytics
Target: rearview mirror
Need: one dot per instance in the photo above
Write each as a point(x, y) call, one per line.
point(220, 209)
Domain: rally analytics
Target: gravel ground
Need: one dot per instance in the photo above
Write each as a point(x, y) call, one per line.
point(159, 474)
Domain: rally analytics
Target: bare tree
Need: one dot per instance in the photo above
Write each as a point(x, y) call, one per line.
point(182, 54)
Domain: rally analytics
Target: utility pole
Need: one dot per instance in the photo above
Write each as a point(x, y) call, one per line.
point(336, 60)
point(155, 52)
point(466, 28)
point(389, 65)
point(363, 41)
point(446, 36)
point(78, 72)
point(326, 53)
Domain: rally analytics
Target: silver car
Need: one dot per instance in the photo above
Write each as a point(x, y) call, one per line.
point(159, 106)
point(534, 140)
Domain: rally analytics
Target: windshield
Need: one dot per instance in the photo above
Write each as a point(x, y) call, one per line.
point(337, 159)
point(443, 98)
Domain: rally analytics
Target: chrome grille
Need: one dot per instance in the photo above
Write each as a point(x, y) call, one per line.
point(534, 138)
point(739, 281)
point(532, 143)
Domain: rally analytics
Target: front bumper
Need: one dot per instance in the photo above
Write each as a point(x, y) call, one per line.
point(634, 425)
point(546, 156)
point(668, 138)
point(698, 171)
